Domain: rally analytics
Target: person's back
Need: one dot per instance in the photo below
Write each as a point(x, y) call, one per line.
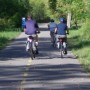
point(52, 25)
point(61, 29)
point(30, 27)
point(61, 33)
point(31, 30)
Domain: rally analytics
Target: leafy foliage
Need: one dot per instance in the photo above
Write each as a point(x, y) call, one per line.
point(52, 4)
point(78, 8)
point(11, 11)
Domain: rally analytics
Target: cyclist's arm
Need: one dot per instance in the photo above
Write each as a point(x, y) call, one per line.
point(67, 30)
point(36, 25)
point(37, 28)
point(55, 30)
point(48, 26)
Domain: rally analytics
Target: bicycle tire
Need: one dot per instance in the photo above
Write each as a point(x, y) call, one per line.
point(31, 51)
point(61, 49)
point(34, 54)
point(54, 40)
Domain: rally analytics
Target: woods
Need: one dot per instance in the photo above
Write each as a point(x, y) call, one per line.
point(12, 11)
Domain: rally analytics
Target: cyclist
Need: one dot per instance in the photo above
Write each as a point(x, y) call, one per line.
point(23, 22)
point(62, 31)
point(31, 28)
point(51, 26)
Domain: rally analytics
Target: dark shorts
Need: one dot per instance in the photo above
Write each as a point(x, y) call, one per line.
point(52, 34)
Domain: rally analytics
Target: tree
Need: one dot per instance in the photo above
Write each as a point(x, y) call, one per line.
point(52, 5)
point(38, 10)
point(11, 11)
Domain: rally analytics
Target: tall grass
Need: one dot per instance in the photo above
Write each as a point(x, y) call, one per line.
point(79, 41)
point(7, 35)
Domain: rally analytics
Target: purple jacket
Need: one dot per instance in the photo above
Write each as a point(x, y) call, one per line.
point(30, 27)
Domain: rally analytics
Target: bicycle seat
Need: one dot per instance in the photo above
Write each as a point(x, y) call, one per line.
point(30, 37)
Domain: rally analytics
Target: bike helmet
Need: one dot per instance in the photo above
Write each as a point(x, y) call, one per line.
point(61, 19)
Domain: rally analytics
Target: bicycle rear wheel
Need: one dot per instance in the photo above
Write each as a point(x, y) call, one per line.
point(54, 41)
point(32, 53)
point(61, 49)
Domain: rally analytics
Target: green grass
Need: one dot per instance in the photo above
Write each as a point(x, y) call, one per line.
point(79, 43)
point(7, 35)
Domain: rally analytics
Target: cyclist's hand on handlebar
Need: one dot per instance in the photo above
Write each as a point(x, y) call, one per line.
point(37, 32)
point(55, 32)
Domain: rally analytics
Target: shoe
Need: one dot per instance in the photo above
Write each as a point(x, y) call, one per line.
point(36, 51)
point(36, 43)
point(65, 52)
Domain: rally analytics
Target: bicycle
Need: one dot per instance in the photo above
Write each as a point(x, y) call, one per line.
point(53, 39)
point(62, 45)
point(30, 46)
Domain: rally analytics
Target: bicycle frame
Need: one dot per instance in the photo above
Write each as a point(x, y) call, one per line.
point(53, 38)
point(61, 46)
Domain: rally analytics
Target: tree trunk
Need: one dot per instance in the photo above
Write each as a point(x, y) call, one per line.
point(69, 20)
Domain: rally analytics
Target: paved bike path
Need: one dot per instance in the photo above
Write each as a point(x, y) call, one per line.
point(48, 71)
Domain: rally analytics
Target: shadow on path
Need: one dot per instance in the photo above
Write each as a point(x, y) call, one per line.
point(15, 50)
point(44, 77)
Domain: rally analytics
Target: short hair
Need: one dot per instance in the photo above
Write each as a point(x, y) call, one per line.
point(29, 16)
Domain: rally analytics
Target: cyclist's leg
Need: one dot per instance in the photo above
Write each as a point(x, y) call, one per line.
point(36, 40)
point(53, 37)
point(51, 34)
point(27, 46)
point(57, 42)
point(36, 43)
point(65, 45)
point(54, 40)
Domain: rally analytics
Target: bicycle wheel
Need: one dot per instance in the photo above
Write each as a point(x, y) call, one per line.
point(61, 49)
point(31, 51)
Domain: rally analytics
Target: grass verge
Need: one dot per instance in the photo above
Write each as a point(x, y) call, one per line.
point(79, 41)
point(7, 35)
